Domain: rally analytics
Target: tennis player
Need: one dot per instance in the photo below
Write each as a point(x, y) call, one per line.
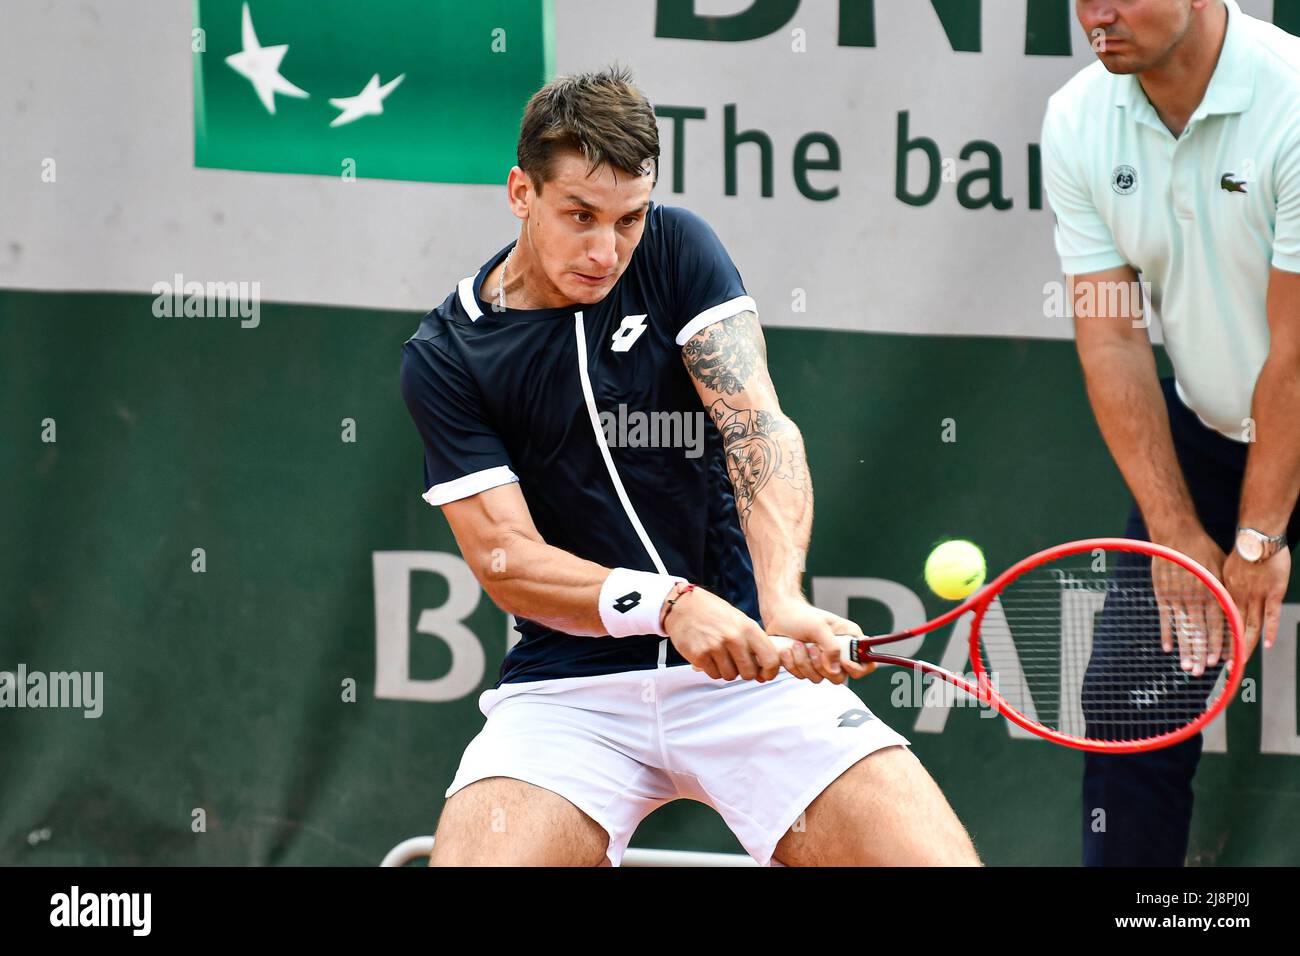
point(1177, 156)
point(627, 560)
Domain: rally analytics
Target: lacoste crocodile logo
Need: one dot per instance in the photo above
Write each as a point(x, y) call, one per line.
point(1232, 184)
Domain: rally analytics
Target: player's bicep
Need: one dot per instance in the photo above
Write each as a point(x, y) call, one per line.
point(484, 526)
point(727, 362)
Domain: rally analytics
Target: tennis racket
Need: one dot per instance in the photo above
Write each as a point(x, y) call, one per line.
point(1106, 644)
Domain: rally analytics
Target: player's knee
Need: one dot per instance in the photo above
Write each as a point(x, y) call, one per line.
point(953, 848)
point(500, 821)
point(905, 818)
point(453, 846)
point(465, 826)
point(516, 852)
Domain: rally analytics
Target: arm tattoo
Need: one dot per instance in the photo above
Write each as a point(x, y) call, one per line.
point(758, 446)
point(723, 356)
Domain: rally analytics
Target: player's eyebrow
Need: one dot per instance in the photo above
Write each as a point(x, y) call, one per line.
point(592, 207)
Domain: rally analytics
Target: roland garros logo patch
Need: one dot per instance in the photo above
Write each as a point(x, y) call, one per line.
point(1124, 180)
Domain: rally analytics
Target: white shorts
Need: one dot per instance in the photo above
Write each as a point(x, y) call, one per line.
point(619, 746)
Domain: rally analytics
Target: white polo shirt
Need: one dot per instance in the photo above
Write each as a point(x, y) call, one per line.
point(1201, 217)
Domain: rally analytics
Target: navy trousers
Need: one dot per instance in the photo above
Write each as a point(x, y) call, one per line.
point(1146, 799)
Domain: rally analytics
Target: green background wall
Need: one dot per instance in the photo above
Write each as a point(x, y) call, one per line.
point(223, 689)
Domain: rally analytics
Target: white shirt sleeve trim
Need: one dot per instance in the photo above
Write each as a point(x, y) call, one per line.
point(468, 485)
point(725, 310)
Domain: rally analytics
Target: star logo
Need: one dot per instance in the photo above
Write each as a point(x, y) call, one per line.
point(260, 65)
point(339, 89)
point(369, 102)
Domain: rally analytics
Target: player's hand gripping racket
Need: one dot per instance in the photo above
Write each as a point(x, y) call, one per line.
point(1105, 644)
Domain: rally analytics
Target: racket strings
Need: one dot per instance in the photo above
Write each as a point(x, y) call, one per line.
point(1075, 645)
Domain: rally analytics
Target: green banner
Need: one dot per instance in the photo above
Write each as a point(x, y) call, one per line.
point(428, 90)
point(224, 523)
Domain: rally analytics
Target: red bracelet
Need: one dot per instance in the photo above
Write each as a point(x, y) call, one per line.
point(677, 596)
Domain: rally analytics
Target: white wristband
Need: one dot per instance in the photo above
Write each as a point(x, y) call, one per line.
point(630, 601)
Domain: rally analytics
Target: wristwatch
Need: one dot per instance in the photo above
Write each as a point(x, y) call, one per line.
point(1256, 546)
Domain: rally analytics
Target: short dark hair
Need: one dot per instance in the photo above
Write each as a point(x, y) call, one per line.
point(601, 115)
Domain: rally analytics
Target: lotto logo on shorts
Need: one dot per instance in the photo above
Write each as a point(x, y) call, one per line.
point(855, 718)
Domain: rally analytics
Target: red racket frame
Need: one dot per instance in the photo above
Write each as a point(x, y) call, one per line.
point(984, 691)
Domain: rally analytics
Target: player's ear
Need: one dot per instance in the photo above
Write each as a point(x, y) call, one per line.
point(519, 191)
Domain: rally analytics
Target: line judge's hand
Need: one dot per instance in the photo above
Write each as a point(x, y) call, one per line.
point(1189, 615)
point(1258, 590)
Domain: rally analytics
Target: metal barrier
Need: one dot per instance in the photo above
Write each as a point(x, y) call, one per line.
point(421, 846)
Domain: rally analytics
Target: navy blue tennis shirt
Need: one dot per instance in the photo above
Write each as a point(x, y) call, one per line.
point(517, 395)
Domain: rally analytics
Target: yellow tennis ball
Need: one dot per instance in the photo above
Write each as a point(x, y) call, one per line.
point(955, 570)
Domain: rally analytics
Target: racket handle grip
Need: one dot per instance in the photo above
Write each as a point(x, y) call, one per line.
point(844, 640)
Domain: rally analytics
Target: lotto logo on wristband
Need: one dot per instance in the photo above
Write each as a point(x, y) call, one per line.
point(630, 601)
point(627, 602)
